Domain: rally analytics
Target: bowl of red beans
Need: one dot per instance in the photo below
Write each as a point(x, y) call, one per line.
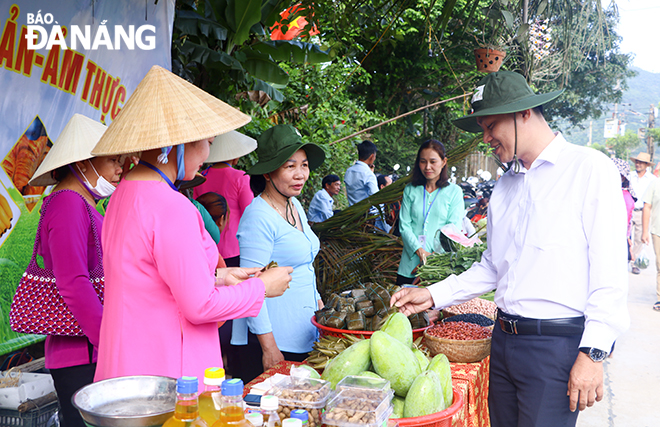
point(461, 342)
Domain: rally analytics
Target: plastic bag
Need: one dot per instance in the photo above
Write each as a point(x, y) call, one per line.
point(642, 260)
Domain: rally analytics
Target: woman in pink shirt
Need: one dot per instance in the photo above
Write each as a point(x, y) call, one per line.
point(69, 249)
point(163, 296)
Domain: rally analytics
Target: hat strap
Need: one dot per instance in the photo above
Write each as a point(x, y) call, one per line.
point(288, 209)
point(516, 163)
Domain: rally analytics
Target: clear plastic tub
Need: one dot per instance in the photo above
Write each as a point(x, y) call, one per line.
point(378, 388)
point(347, 410)
point(309, 394)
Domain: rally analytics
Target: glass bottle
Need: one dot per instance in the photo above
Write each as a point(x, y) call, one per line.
point(268, 406)
point(231, 405)
point(186, 411)
point(213, 378)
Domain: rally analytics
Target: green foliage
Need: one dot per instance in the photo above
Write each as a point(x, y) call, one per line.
point(622, 145)
point(655, 134)
point(601, 148)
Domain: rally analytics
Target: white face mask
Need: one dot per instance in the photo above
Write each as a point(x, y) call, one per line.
point(103, 188)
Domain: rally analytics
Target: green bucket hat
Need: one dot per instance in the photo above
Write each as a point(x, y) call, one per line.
point(501, 93)
point(277, 144)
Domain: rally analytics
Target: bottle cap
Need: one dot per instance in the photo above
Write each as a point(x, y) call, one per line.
point(232, 387)
point(291, 422)
point(255, 418)
point(214, 376)
point(186, 385)
point(269, 403)
point(300, 414)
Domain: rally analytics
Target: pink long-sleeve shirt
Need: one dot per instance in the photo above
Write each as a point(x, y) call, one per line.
point(161, 302)
point(233, 185)
point(68, 248)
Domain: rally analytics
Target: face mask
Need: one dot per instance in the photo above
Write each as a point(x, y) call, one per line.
point(103, 188)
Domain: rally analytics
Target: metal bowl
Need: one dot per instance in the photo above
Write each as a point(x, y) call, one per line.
point(136, 401)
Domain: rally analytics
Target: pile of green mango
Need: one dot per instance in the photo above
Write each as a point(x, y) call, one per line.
point(421, 387)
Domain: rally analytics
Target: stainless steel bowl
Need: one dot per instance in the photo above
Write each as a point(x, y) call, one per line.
point(137, 401)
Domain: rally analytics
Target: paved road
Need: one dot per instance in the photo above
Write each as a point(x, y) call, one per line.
point(632, 374)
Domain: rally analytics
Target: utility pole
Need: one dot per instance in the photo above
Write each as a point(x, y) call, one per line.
point(591, 122)
point(649, 138)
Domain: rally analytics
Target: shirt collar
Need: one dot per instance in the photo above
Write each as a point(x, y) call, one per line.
point(551, 153)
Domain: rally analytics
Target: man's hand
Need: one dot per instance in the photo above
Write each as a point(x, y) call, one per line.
point(412, 300)
point(646, 238)
point(271, 354)
point(585, 382)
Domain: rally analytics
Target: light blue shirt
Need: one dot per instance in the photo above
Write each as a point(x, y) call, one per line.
point(360, 182)
point(264, 236)
point(443, 206)
point(320, 208)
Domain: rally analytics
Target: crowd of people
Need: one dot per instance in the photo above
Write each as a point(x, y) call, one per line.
point(241, 258)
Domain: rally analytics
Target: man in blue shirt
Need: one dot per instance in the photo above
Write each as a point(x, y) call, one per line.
point(320, 208)
point(359, 179)
point(381, 221)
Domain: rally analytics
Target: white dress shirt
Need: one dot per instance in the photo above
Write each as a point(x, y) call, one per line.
point(639, 185)
point(556, 245)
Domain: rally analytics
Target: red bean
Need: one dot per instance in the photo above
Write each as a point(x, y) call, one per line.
point(459, 331)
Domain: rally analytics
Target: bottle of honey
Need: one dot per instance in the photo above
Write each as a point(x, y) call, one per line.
point(232, 407)
point(186, 411)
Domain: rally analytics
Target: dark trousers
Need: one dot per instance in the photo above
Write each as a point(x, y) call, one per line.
point(529, 380)
point(67, 382)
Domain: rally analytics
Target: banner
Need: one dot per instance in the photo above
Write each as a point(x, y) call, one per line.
point(57, 59)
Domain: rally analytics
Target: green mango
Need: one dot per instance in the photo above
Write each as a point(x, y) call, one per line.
point(424, 397)
point(369, 374)
point(313, 373)
point(394, 361)
point(353, 360)
point(397, 404)
point(440, 365)
point(421, 358)
point(398, 326)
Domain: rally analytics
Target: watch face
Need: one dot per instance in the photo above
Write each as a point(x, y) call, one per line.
point(597, 355)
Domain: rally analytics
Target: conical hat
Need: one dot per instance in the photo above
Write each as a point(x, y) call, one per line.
point(166, 110)
point(229, 146)
point(74, 144)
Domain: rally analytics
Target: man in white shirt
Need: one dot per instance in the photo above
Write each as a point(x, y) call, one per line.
point(359, 179)
point(320, 208)
point(651, 229)
point(556, 258)
point(639, 182)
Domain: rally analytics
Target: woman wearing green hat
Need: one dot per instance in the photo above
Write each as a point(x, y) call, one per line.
point(274, 228)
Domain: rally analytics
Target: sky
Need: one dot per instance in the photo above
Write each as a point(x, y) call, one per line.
point(637, 26)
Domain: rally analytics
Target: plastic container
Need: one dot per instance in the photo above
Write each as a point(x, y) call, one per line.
point(334, 332)
point(347, 410)
point(231, 405)
point(439, 419)
point(30, 387)
point(186, 411)
point(268, 407)
point(255, 418)
point(309, 394)
point(378, 388)
point(37, 417)
point(213, 378)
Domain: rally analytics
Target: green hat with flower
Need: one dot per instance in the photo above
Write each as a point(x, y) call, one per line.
point(277, 144)
point(502, 92)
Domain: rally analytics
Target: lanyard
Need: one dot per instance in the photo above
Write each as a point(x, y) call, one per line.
point(152, 167)
point(426, 214)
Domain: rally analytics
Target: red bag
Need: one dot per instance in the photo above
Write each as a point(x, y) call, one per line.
point(38, 307)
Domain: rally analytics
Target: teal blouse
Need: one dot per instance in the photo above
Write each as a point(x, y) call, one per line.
point(446, 207)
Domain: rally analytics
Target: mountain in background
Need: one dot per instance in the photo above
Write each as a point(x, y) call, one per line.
point(643, 91)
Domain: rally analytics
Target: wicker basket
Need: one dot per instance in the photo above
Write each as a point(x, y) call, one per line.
point(334, 332)
point(458, 351)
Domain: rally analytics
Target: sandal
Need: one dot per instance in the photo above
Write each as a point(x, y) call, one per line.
point(656, 306)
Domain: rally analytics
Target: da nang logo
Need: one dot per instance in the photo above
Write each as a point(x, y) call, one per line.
point(131, 37)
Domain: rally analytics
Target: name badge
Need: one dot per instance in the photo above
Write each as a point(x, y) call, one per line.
point(422, 241)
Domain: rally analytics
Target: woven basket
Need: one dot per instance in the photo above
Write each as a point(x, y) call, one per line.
point(439, 419)
point(458, 351)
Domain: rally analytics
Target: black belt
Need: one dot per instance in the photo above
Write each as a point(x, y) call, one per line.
point(525, 326)
point(638, 209)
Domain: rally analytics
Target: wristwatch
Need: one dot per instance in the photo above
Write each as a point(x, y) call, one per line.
point(594, 354)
